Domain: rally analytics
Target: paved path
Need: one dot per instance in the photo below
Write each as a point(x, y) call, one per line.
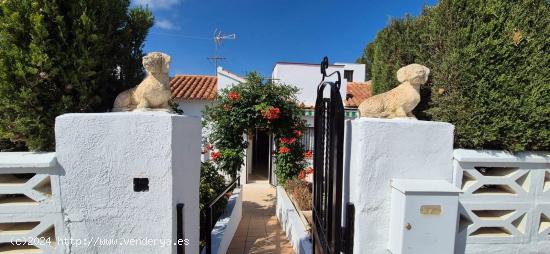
point(259, 230)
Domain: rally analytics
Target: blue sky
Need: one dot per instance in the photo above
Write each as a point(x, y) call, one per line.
point(267, 31)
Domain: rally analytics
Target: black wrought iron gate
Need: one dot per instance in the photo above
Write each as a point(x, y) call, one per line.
point(328, 234)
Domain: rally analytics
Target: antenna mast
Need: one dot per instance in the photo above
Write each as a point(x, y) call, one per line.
point(219, 37)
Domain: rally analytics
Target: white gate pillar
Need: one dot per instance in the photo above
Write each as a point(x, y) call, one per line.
point(382, 149)
point(123, 175)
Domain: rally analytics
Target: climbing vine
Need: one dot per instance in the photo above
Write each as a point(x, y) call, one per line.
point(255, 104)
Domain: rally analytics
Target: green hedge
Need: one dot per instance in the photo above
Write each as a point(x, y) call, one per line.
point(60, 57)
point(490, 63)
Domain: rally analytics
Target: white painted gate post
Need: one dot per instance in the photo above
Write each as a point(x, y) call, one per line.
point(123, 175)
point(382, 149)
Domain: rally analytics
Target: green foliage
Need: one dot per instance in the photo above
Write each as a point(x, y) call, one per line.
point(366, 58)
point(64, 56)
point(490, 69)
point(211, 185)
point(245, 107)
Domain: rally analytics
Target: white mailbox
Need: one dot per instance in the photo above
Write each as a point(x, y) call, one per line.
point(424, 216)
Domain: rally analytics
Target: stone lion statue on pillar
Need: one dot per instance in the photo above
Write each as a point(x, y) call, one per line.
point(153, 93)
point(400, 101)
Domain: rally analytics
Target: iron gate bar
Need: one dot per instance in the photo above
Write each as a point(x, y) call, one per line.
point(348, 231)
point(328, 165)
point(180, 249)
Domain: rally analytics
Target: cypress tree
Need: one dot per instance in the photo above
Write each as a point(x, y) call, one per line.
point(61, 56)
point(490, 69)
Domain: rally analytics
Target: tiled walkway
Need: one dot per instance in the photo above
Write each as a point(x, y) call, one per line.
point(259, 230)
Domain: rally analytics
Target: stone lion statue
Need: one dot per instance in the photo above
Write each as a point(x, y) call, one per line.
point(400, 101)
point(153, 93)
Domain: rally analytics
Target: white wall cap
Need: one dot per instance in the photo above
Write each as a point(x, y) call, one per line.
point(421, 186)
point(125, 114)
point(27, 160)
point(340, 63)
point(405, 121)
point(466, 155)
point(230, 75)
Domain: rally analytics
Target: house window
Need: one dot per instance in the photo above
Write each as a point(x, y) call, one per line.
point(348, 74)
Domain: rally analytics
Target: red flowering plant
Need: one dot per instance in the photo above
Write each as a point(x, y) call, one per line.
point(256, 104)
point(234, 96)
point(215, 156)
point(290, 156)
point(308, 154)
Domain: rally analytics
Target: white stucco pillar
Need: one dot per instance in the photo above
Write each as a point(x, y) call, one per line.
point(382, 149)
point(123, 175)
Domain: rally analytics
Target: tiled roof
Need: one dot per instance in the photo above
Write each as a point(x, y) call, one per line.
point(194, 87)
point(357, 93)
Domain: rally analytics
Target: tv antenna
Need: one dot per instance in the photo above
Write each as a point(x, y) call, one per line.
point(219, 37)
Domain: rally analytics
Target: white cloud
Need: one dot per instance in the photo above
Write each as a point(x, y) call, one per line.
point(165, 24)
point(157, 4)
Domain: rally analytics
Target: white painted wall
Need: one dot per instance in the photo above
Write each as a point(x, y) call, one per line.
point(227, 225)
point(307, 77)
point(382, 149)
point(101, 154)
point(193, 107)
point(227, 79)
point(290, 221)
point(358, 71)
point(517, 185)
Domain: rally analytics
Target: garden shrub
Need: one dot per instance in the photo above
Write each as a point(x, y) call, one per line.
point(490, 69)
point(211, 184)
point(251, 105)
point(61, 56)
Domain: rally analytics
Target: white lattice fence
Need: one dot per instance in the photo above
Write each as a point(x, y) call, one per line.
point(506, 200)
point(30, 211)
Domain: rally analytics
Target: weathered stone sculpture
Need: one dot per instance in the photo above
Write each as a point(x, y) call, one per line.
point(153, 93)
point(400, 101)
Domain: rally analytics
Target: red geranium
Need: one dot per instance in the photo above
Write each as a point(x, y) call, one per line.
point(283, 140)
point(302, 175)
point(309, 170)
point(215, 155)
point(284, 149)
point(298, 133)
point(234, 96)
point(292, 140)
point(308, 154)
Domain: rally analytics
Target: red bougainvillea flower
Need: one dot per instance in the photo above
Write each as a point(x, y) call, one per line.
point(298, 133)
point(302, 175)
point(284, 149)
point(215, 156)
point(308, 154)
point(234, 96)
point(283, 140)
point(271, 113)
point(309, 170)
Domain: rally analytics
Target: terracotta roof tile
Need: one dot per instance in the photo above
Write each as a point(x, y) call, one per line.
point(194, 87)
point(357, 92)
